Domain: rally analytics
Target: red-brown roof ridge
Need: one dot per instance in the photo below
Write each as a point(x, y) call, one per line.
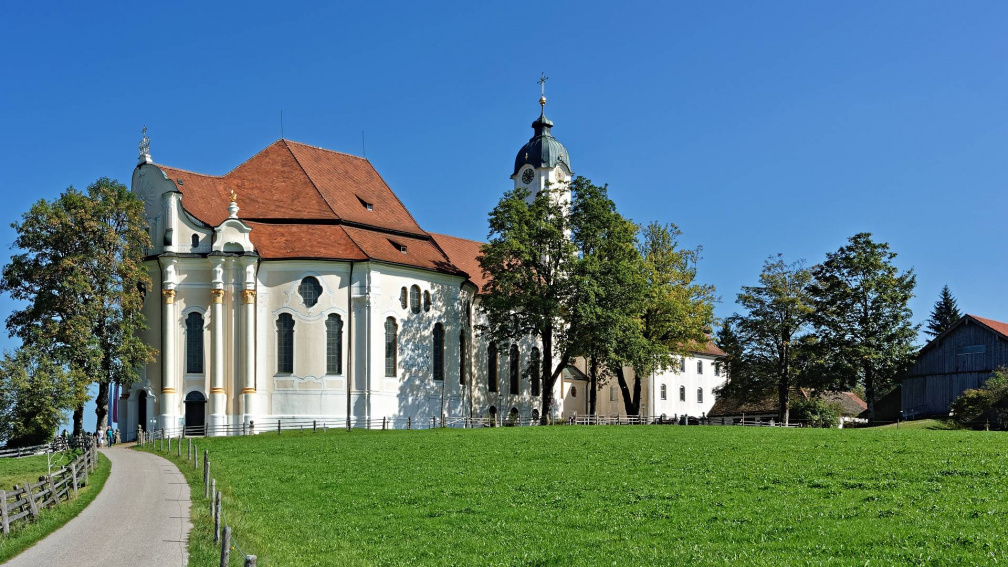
point(997, 326)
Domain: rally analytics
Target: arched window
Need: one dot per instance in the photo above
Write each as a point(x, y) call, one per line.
point(699, 395)
point(391, 346)
point(195, 240)
point(535, 416)
point(285, 344)
point(492, 367)
point(462, 358)
point(513, 360)
point(426, 301)
point(664, 391)
point(717, 368)
point(334, 344)
point(682, 393)
point(682, 364)
point(437, 355)
point(310, 291)
point(534, 370)
point(414, 298)
point(402, 297)
point(699, 367)
point(194, 343)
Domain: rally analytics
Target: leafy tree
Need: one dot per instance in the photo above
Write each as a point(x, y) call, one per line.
point(862, 316)
point(80, 274)
point(677, 312)
point(531, 263)
point(773, 332)
point(34, 394)
point(944, 314)
point(610, 283)
point(816, 412)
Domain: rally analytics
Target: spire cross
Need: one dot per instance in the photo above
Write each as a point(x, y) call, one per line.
point(542, 83)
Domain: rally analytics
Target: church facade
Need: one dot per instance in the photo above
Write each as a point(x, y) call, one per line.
point(297, 285)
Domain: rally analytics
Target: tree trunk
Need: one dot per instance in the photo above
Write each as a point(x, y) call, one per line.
point(101, 405)
point(593, 386)
point(869, 390)
point(631, 401)
point(783, 398)
point(78, 420)
point(547, 375)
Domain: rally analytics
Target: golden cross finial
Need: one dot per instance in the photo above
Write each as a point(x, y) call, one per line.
point(542, 83)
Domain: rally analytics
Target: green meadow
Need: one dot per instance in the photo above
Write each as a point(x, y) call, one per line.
point(613, 495)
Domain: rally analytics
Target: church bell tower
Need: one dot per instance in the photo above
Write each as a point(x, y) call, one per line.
point(543, 161)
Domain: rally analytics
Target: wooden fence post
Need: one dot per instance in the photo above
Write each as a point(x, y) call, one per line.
point(225, 548)
point(179, 451)
point(188, 456)
point(217, 517)
point(348, 424)
point(32, 506)
point(213, 492)
point(383, 420)
point(195, 458)
point(3, 512)
point(84, 462)
point(169, 445)
point(73, 470)
point(409, 422)
point(206, 474)
point(52, 491)
point(278, 428)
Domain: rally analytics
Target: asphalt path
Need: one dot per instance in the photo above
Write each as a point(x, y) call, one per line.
point(141, 517)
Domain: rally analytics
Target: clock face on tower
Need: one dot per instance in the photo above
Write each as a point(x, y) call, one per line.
point(527, 176)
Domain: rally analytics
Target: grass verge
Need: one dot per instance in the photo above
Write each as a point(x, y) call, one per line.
point(609, 495)
point(25, 534)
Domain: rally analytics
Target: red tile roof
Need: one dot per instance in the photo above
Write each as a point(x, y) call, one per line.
point(464, 254)
point(711, 349)
point(997, 326)
point(307, 202)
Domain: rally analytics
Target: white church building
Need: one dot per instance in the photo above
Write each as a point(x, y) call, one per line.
point(297, 285)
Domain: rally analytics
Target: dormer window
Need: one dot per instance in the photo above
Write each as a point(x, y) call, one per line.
point(366, 205)
point(398, 245)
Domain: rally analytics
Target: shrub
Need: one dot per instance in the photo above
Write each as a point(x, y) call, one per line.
point(984, 404)
point(815, 412)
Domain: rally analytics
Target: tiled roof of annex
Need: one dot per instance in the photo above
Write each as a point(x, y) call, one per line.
point(307, 202)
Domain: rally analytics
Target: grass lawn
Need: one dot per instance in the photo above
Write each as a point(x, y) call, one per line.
point(610, 495)
point(24, 534)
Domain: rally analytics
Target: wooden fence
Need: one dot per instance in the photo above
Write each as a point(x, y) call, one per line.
point(26, 501)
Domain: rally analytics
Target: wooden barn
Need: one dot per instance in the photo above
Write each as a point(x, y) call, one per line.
point(959, 359)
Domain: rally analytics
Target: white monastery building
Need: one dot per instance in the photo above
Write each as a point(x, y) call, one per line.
point(297, 285)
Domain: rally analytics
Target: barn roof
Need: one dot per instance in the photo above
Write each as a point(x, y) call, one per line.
point(850, 403)
point(996, 327)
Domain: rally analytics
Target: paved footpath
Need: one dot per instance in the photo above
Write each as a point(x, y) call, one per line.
point(141, 517)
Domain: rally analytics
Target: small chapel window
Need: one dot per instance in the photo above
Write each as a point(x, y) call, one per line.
point(437, 355)
point(534, 370)
point(414, 297)
point(513, 361)
point(310, 291)
point(492, 367)
point(426, 301)
point(391, 346)
point(682, 393)
point(402, 297)
point(334, 344)
point(612, 393)
point(717, 368)
point(194, 343)
point(285, 344)
point(462, 357)
point(664, 391)
point(699, 395)
point(699, 367)
point(682, 364)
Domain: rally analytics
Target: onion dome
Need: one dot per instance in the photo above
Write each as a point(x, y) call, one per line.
point(542, 150)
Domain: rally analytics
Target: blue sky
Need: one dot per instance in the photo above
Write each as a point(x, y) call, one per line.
point(758, 128)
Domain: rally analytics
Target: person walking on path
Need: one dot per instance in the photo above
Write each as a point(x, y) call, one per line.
point(141, 517)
